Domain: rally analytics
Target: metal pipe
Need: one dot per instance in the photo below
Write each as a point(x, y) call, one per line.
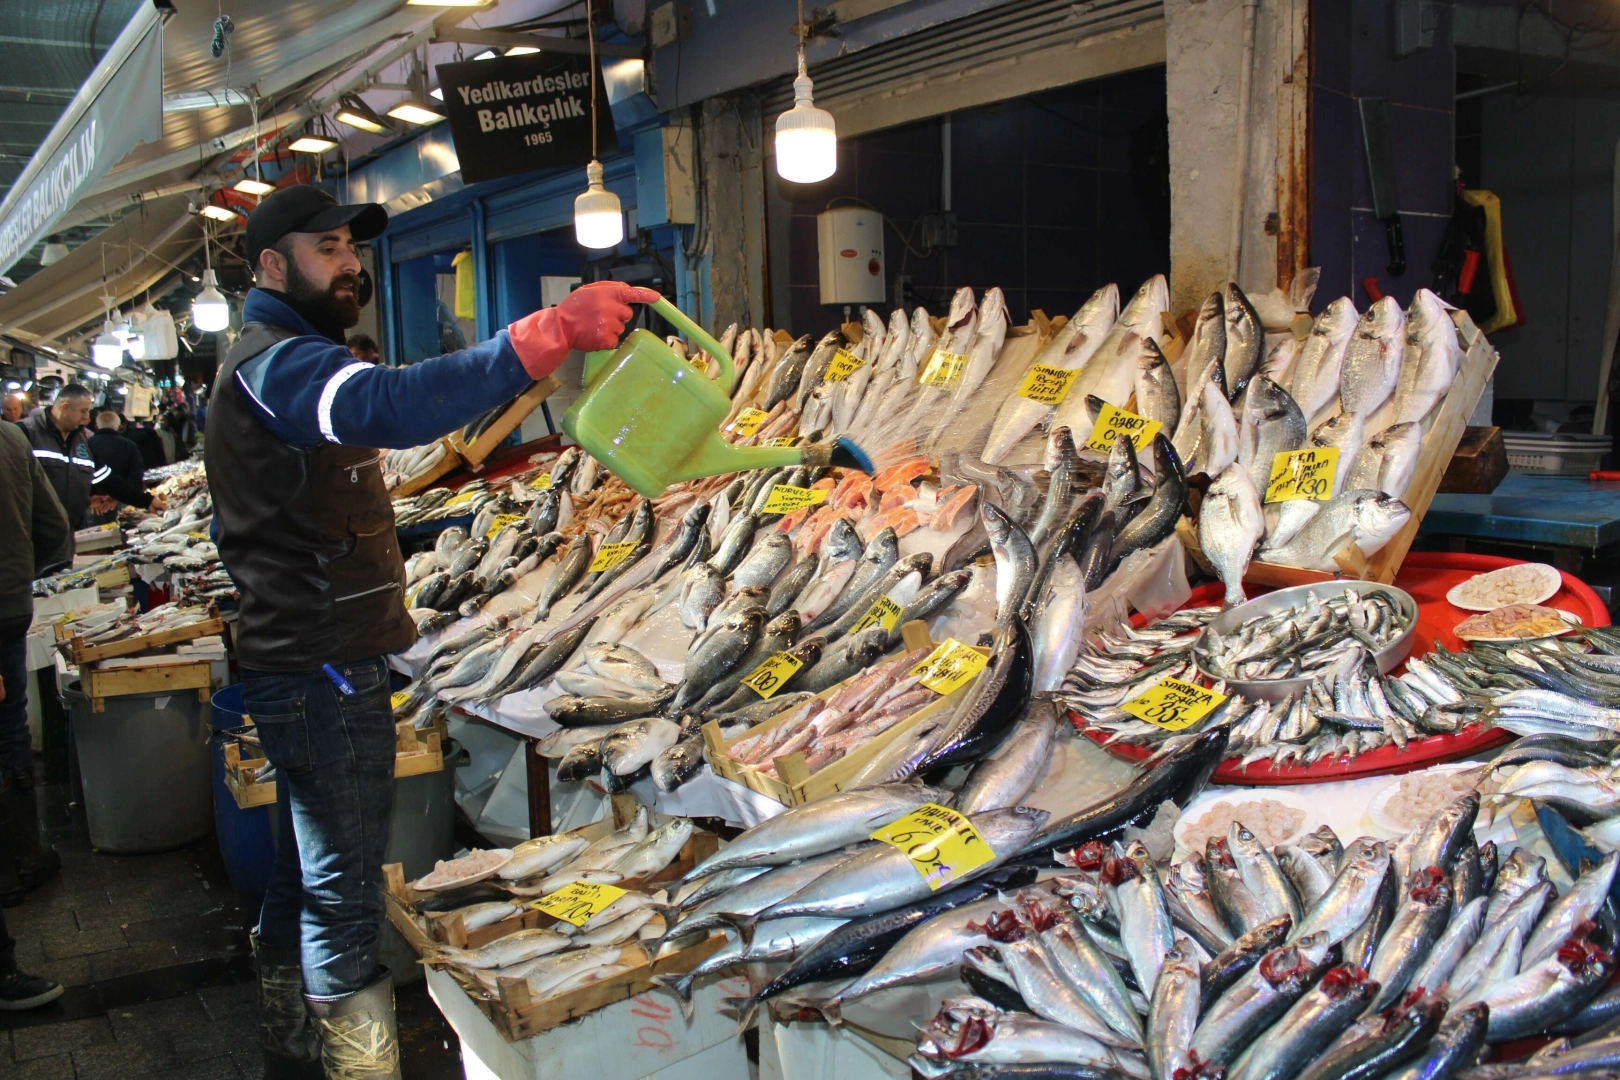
point(1240, 181)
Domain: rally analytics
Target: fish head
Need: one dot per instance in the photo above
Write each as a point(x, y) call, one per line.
point(786, 625)
point(1344, 979)
point(1060, 449)
point(1211, 316)
point(841, 541)
point(1384, 320)
point(997, 525)
point(1151, 299)
point(807, 652)
point(1150, 359)
point(1579, 954)
point(1101, 309)
point(1241, 318)
point(992, 305)
point(697, 515)
point(1340, 430)
point(1240, 840)
point(1379, 516)
point(884, 547)
point(1338, 320)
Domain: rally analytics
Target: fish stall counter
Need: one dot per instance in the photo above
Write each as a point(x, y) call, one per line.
point(1534, 508)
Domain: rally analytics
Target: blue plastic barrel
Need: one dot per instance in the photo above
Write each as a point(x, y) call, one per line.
point(245, 841)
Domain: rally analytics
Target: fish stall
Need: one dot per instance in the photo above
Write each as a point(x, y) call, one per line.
point(1105, 724)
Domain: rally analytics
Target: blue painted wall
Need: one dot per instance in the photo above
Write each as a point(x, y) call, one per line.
point(1055, 194)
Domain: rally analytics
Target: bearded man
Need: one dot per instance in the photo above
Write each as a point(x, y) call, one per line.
point(306, 529)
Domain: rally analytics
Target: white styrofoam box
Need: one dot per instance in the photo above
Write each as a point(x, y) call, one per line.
point(644, 1037)
point(849, 240)
point(504, 817)
point(47, 606)
point(817, 1051)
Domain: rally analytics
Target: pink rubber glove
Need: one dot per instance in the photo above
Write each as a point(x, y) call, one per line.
point(591, 318)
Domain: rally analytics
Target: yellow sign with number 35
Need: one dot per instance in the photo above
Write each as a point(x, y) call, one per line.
point(1173, 704)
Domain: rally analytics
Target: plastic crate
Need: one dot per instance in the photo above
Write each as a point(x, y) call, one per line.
point(1557, 454)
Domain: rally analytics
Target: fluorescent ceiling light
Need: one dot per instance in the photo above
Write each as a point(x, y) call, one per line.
point(437, 93)
point(354, 111)
point(312, 144)
point(54, 252)
point(249, 186)
point(487, 54)
point(448, 3)
point(218, 213)
point(414, 112)
point(521, 50)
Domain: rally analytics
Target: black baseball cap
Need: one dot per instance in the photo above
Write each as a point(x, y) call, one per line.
point(308, 209)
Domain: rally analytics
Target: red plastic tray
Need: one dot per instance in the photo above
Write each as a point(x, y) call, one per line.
point(1428, 576)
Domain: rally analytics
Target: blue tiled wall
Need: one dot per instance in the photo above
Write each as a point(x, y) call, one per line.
point(1055, 194)
point(1353, 56)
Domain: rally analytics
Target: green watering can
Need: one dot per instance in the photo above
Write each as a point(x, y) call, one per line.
point(654, 419)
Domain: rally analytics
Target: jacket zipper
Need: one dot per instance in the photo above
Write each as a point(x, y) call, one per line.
point(367, 592)
point(354, 470)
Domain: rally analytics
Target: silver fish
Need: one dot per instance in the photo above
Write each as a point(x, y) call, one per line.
point(1173, 1014)
point(767, 559)
point(1351, 897)
point(1432, 358)
point(702, 591)
point(1418, 924)
point(1272, 424)
point(1460, 935)
point(1372, 363)
point(1367, 519)
point(1245, 341)
point(1576, 906)
point(1230, 525)
point(1016, 562)
point(1157, 397)
point(1004, 780)
point(881, 552)
point(1315, 382)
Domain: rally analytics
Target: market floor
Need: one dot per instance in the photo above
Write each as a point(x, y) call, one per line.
point(153, 951)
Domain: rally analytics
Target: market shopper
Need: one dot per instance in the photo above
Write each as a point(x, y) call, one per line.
point(11, 409)
point(306, 530)
point(35, 537)
point(362, 347)
point(62, 447)
point(125, 482)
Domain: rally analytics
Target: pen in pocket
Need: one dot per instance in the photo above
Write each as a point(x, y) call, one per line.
point(338, 680)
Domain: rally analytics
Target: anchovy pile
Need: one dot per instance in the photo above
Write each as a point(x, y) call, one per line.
point(1307, 639)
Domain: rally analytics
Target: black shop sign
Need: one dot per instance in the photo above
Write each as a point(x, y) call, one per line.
point(515, 114)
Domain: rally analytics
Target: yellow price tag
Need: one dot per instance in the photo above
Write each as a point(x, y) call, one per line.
point(576, 903)
point(1303, 474)
point(884, 612)
point(785, 499)
point(843, 364)
point(501, 521)
point(541, 482)
point(782, 440)
point(777, 669)
point(463, 499)
point(1173, 704)
point(197, 535)
point(1112, 421)
point(748, 421)
point(943, 369)
point(942, 844)
point(610, 555)
point(398, 698)
point(1047, 385)
point(949, 666)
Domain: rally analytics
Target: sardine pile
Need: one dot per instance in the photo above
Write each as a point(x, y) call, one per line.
point(1307, 639)
point(563, 957)
point(1367, 386)
point(1552, 686)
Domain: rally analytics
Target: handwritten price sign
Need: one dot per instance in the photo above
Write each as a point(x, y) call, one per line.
point(576, 903)
point(1113, 421)
point(1303, 474)
point(883, 612)
point(398, 698)
point(1173, 704)
point(1047, 385)
point(773, 674)
point(610, 555)
point(942, 844)
point(943, 369)
point(843, 364)
point(462, 499)
point(949, 666)
point(784, 499)
point(542, 482)
point(782, 440)
point(748, 421)
point(501, 521)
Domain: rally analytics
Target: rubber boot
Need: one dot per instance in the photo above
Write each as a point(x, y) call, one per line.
point(36, 863)
point(359, 1039)
point(286, 1033)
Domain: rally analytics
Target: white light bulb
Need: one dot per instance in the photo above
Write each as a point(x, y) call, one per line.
point(210, 311)
point(598, 219)
point(136, 345)
point(107, 351)
point(806, 137)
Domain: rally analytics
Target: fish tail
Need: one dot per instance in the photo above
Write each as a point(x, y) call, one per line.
point(682, 985)
point(743, 924)
point(747, 1009)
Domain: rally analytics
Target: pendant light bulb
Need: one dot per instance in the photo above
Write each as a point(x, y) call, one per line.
point(806, 137)
point(107, 351)
point(598, 220)
point(210, 311)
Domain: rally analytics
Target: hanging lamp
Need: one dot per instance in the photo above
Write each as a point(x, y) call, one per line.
point(806, 137)
point(598, 218)
point(210, 311)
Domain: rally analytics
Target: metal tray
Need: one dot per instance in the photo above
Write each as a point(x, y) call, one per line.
point(1388, 658)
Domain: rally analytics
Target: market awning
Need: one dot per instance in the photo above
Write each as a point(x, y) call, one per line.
point(120, 105)
point(122, 261)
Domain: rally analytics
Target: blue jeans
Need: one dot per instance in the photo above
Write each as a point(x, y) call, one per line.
point(334, 759)
point(16, 747)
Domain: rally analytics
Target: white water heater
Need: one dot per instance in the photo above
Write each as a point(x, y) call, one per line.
point(850, 239)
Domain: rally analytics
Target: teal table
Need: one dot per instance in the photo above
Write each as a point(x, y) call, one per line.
point(1533, 508)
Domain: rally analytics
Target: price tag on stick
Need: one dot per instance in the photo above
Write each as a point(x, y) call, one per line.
point(943, 369)
point(610, 555)
point(1173, 704)
point(1112, 421)
point(576, 903)
point(942, 844)
point(1303, 474)
point(949, 666)
point(398, 698)
point(1047, 385)
point(501, 521)
point(785, 499)
point(775, 671)
point(843, 364)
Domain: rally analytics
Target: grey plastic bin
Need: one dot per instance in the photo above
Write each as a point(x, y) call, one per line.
point(144, 763)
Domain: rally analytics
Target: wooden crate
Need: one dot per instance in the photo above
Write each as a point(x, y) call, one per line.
point(794, 784)
point(113, 577)
point(239, 771)
point(77, 652)
point(1440, 439)
point(512, 1011)
point(99, 684)
point(450, 462)
point(474, 453)
point(415, 755)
